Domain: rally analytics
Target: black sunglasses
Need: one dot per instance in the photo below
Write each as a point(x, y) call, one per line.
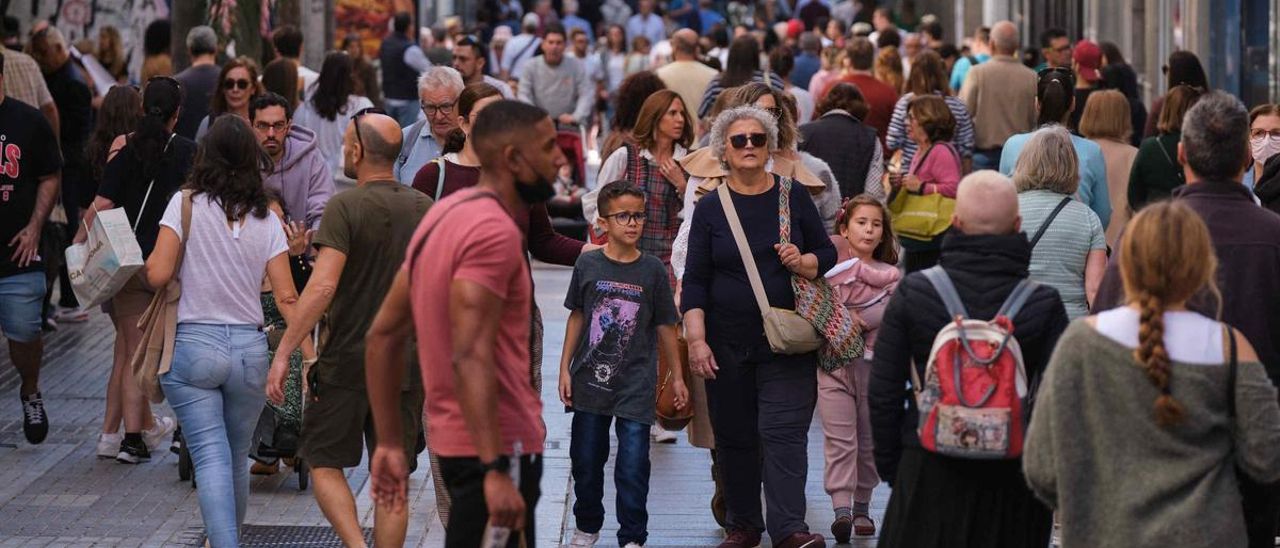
point(236, 83)
point(756, 139)
point(356, 118)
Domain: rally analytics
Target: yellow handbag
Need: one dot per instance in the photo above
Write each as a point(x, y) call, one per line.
point(921, 216)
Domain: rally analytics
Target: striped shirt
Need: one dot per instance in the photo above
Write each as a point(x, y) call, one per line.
point(714, 88)
point(1058, 259)
point(898, 138)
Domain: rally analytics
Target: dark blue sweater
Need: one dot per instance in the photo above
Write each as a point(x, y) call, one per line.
point(714, 278)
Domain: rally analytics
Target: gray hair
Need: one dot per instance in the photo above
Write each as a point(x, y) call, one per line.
point(1048, 162)
point(1004, 38)
point(441, 77)
point(1215, 137)
point(201, 40)
point(719, 139)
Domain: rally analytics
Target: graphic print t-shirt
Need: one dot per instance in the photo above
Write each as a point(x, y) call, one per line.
point(28, 152)
point(615, 367)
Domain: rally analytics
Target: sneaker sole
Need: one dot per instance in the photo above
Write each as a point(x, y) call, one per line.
point(126, 458)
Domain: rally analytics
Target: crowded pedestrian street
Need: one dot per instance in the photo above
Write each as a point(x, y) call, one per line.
point(57, 494)
point(663, 273)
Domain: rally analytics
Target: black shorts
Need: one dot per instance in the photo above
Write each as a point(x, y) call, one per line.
point(337, 425)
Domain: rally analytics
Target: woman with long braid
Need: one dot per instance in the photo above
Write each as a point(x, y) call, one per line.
point(1148, 412)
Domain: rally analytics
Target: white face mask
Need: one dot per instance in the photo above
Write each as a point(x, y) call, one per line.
point(1264, 147)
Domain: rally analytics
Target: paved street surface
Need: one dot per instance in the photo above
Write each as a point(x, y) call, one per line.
point(59, 494)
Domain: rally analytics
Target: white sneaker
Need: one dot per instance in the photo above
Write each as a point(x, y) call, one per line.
point(109, 445)
point(159, 433)
point(583, 540)
point(661, 435)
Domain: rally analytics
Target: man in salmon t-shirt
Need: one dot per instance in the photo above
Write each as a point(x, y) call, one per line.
point(466, 287)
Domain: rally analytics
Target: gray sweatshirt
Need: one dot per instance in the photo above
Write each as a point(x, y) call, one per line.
point(562, 89)
point(1095, 454)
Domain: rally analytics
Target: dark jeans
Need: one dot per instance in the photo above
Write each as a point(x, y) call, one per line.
point(588, 450)
point(761, 405)
point(1261, 510)
point(987, 159)
point(465, 480)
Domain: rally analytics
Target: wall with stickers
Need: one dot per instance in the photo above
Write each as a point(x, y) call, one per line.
point(83, 18)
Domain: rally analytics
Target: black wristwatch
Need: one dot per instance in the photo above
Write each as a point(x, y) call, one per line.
point(500, 464)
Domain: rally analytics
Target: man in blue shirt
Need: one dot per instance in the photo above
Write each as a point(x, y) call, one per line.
point(710, 17)
point(979, 51)
point(647, 24)
point(807, 62)
point(572, 21)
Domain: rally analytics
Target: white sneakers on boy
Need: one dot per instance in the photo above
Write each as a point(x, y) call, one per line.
point(583, 540)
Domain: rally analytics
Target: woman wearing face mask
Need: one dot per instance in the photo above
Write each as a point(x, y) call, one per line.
point(1264, 140)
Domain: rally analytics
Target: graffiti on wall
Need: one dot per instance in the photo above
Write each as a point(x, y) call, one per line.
point(78, 19)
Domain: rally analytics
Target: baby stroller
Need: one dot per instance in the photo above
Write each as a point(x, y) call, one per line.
point(569, 137)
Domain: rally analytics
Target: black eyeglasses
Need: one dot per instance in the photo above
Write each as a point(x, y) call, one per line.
point(1055, 70)
point(356, 119)
point(625, 217)
point(240, 83)
point(756, 139)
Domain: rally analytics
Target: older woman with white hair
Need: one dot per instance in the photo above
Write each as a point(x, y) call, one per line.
point(761, 402)
point(1068, 242)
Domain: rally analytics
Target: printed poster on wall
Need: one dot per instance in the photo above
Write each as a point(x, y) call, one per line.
point(369, 19)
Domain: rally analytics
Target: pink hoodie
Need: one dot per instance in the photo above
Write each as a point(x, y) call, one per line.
point(864, 287)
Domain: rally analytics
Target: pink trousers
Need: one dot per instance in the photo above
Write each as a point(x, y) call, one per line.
point(850, 473)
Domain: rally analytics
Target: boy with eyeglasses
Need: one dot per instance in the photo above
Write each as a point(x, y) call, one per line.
point(623, 312)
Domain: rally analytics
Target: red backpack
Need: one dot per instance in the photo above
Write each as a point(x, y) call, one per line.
point(975, 384)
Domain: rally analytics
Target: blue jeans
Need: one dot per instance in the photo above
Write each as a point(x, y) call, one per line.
point(21, 305)
point(405, 111)
point(588, 451)
point(987, 159)
point(216, 387)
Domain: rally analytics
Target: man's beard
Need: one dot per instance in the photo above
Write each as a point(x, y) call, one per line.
point(538, 192)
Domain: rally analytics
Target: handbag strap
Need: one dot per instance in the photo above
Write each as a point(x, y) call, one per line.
point(186, 229)
point(1177, 168)
point(440, 162)
point(151, 185)
point(748, 260)
point(784, 210)
point(1048, 221)
point(1232, 365)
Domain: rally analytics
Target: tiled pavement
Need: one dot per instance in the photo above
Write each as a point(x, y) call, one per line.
point(58, 494)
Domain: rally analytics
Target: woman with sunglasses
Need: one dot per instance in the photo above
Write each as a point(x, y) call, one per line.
point(761, 402)
point(329, 104)
point(217, 380)
point(144, 168)
point(238, 86)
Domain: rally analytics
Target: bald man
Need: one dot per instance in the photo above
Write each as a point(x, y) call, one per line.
point(360, 246)
point(685, 74)
point(469, 309)
point(985, 257)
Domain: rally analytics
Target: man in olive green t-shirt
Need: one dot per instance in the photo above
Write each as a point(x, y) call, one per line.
point(360, 245)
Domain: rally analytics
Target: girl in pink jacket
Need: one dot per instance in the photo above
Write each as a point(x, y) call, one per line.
point(863, 280)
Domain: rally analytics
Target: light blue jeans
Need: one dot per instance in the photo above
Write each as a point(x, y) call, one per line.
point(216, 387)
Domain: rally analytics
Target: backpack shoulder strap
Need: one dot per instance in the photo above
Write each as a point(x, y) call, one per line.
point(440, 162)
point(946, 290)
point(1049, 220)
point(1017, 298)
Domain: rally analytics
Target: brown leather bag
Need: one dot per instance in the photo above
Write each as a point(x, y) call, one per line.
point(159, 323)
point(669, 417)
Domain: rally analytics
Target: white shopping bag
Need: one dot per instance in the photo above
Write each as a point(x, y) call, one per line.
point(101, 265)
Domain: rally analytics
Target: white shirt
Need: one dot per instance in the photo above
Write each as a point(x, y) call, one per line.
point(804, 104)
point(223, 267)
point(1188, 336)
point(524, 45)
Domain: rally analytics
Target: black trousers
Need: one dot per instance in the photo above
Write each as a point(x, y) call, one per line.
point(761, 405)
point(464, 477)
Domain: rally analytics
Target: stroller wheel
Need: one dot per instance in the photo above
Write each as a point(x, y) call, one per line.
point(304, 474)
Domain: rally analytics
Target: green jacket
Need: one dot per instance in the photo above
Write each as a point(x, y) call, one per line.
point(1156, 171)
